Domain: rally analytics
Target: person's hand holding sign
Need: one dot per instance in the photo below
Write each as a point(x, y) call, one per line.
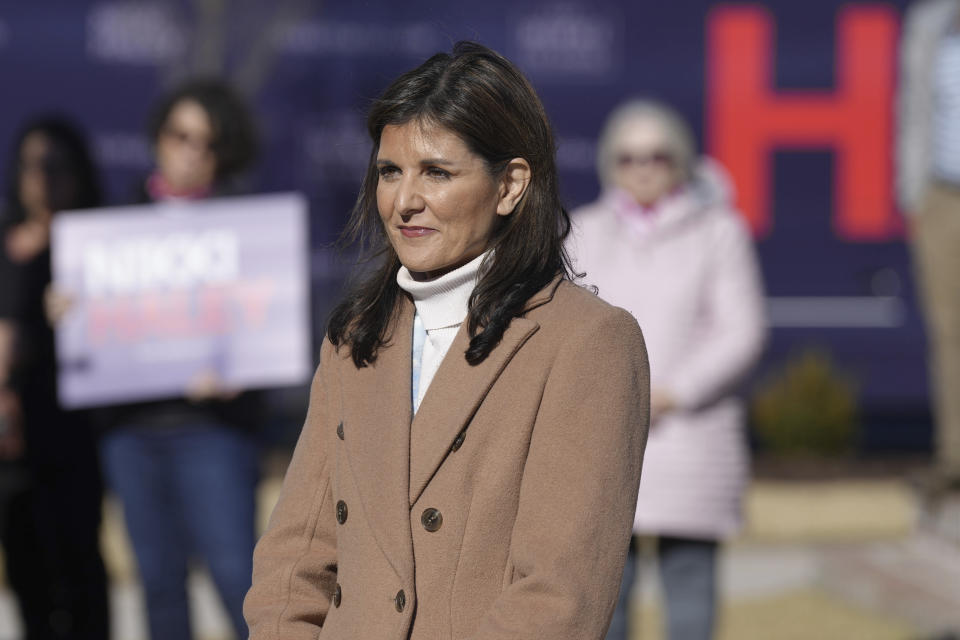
point(206, 386)
point(56, 304)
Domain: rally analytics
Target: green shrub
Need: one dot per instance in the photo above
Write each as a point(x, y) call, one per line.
point(808, 407)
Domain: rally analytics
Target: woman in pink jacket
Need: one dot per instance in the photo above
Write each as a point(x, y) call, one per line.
point(663, 243)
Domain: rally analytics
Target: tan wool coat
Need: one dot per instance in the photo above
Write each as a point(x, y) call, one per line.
point(502, 510)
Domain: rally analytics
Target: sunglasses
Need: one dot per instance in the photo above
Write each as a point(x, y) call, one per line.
point(183, 138)
point(659, 158)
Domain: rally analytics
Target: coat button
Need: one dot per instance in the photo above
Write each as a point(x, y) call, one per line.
point(337, 594)
point(340, 430)
point(431, 519)
point(341, 511)
point(400, 601)
point(459, 441)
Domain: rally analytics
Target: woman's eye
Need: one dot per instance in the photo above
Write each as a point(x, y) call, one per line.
point(437, 172)
point(388, 171)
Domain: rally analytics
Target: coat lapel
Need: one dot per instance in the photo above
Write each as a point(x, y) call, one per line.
point(456, 392)
point(377, 411)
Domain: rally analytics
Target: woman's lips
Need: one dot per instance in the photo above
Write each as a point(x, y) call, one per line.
point(416, 232)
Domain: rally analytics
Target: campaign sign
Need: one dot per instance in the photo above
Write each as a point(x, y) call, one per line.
point(163, 294)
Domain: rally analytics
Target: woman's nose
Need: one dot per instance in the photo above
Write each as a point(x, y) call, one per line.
point(409, 199)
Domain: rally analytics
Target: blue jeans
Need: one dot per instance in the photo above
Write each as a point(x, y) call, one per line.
point(186, 492)
point(688, 573)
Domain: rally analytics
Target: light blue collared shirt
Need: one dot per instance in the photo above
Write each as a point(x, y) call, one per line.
point(419, 336)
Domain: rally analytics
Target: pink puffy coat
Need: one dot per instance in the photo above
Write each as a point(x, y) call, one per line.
point(688, 272)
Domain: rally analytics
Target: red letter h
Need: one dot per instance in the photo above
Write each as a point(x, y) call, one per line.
point(747, 118)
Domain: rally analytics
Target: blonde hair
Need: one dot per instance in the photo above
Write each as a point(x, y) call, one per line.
point(679, 136)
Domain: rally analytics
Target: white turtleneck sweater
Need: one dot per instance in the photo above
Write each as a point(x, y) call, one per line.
point(441, 308)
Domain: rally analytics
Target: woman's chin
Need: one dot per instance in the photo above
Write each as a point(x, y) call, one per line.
point(422, 270)
point(423, 275)
point(422, 267)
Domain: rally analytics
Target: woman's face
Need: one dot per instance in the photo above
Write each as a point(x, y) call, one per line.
point(438, 202)
point(184, 149)
point(644, 163)
point(47, 180)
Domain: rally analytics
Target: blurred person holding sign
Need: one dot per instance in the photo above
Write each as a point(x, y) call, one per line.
point(185, 469)
point(664, 243)
point(50, 519)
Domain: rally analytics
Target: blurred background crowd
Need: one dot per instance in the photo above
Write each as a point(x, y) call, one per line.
point(782, 177)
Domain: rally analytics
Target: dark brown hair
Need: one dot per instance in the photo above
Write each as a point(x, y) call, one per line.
point(63, 133)
point(484, 99)
point(234, 132)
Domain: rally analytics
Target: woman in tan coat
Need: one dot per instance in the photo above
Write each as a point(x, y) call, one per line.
point(470, 459)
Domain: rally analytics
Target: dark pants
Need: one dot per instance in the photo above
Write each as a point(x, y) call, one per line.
point(186, 492)
point(688, 571)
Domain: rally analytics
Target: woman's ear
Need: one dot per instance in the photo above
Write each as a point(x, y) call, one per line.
point(513, 185)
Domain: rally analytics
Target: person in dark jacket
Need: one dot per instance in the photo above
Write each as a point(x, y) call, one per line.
point(51, 494)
